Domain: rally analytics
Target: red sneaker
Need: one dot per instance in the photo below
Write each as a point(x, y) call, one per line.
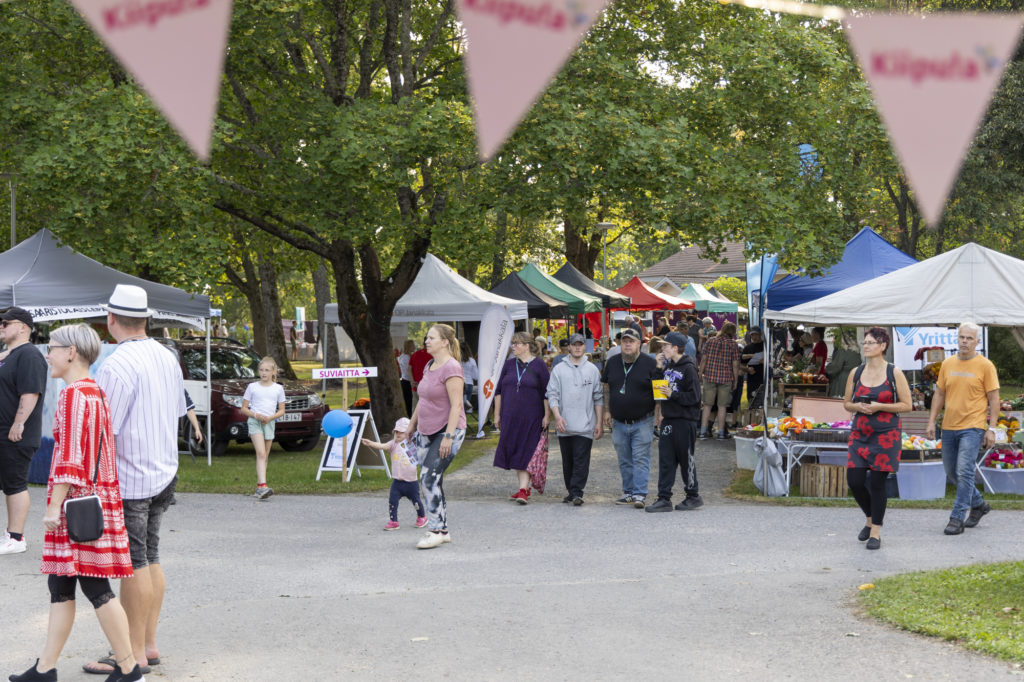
point(522, 496)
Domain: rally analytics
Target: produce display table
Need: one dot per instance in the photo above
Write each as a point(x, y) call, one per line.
point(798, 449)
point(999, 480)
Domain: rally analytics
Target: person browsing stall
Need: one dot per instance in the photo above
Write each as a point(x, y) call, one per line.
point(630, 416)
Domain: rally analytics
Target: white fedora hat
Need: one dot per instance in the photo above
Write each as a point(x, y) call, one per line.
point(130, 301)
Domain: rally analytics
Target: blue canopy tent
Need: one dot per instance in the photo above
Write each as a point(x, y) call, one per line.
point(865, 257)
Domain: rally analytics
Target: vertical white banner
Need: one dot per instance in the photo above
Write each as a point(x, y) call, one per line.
point(496, 331)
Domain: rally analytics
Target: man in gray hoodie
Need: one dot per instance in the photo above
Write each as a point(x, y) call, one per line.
point(576, 398)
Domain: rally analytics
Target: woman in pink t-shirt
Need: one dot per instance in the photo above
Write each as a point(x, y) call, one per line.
point(439, 421)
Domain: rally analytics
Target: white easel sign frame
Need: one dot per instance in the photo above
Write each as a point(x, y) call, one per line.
point(342, 454)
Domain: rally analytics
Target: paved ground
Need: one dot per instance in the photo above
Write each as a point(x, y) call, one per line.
point(310, 588)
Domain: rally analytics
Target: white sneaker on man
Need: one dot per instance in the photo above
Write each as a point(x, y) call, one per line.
point(11, 546)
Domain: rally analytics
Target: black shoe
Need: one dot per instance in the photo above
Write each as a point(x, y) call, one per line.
point(567, 499)
point(723, 435)
point(976, 513)
point(864, 533)
point(33, 675)
point(954, 527)
point(577, 501)
point(134, 676)
point(690, 503)
point(873, 543)
point(702, 435)
point(659, 506)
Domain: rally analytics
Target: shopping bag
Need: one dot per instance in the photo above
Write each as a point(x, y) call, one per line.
point(538, 466)
point(768, 475)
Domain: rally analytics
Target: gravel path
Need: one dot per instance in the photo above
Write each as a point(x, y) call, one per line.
point(310, 588)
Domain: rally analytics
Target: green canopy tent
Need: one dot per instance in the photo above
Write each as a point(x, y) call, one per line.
point(579, 302)
point(705, 301)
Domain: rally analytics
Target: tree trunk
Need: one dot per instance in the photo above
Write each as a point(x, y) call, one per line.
point(250, 288)
point(322, 291)
point(277, 347)
point(498, 261)
point(580, 249)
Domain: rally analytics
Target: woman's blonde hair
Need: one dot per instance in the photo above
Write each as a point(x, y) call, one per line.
point(409, 347)
point(525, 337)
point(83, 337)
point(447, 332)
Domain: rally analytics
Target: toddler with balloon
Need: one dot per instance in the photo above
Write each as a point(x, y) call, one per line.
point(404, 482)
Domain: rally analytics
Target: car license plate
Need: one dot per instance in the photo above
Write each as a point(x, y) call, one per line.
point(292, 417)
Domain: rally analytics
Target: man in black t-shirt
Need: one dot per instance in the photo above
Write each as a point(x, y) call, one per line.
point(22, 382)
point(630, 415)
point(752, 362)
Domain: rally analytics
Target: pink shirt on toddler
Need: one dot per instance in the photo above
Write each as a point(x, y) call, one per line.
point(403, 468)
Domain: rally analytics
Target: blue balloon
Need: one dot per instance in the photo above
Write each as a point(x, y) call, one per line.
point(337, 424)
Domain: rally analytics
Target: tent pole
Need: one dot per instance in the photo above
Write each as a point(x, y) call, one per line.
point(209, 399)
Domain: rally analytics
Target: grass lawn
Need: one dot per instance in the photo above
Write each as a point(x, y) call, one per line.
point(293, 473)
point(742, 488)
point(979, 607)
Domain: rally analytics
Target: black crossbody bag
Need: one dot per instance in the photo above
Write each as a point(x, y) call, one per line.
point(85, 514)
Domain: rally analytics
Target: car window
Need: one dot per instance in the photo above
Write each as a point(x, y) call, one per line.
point(225, 363)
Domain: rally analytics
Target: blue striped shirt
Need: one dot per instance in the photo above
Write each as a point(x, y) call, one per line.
point(143, 382)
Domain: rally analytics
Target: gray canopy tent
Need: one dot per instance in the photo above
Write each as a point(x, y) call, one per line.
point(54, 282)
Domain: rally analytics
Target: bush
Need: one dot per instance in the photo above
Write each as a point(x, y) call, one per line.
point(1006, 354)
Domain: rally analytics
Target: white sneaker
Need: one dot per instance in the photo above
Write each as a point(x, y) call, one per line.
point(432, 539)
point(11, 546)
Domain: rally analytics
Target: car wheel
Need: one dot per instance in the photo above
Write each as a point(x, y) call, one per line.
point(199, 449)
point(300, 444)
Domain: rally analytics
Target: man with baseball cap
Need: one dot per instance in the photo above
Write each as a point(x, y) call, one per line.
point(563, 353)
point(630, 415)
point(22, 382)
point(143, 383)
point(680, 414)
point(576, 398)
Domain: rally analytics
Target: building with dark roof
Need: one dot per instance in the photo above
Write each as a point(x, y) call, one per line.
point(689, 265)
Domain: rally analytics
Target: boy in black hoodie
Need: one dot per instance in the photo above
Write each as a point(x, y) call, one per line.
point(680, 418)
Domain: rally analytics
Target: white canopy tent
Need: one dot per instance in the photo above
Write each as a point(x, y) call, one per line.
point(439, 294)
point(970, 283)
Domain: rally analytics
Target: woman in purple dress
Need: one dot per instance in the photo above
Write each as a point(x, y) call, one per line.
point(520, 411)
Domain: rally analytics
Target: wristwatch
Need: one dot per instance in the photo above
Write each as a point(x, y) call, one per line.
point(449, 435)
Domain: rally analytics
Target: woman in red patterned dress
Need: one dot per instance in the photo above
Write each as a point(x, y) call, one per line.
point(81, 427)
point(876, 392)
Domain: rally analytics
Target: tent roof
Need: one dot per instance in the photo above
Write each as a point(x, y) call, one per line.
point(579, 302)
point(55, 282)
point(722, 297)
point(705, 300)
point(866, 256)
point(439, 294)
point(968, 283)
point(538, 304)
point(644, 297)
point(568, 274)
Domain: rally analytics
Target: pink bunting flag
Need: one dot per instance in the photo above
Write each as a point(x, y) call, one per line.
point(175, 50)
point(515, 48)
point(932, 78)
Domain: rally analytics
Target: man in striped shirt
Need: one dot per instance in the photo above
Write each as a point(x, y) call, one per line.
point(143, 383)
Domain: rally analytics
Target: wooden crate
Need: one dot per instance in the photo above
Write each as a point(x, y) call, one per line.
point(822, 480)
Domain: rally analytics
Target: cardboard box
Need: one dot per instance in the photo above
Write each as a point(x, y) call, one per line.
point(934, 355)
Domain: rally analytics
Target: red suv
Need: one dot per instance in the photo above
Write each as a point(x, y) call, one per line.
point(233, 367)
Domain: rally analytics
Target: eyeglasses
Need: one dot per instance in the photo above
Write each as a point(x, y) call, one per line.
point(49, 348)
point(518, 343)
point(869, 343)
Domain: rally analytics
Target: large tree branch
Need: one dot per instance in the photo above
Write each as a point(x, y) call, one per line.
point(313, 244)
point(432, 39)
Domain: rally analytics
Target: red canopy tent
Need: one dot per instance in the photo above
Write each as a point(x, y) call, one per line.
point(644, 297)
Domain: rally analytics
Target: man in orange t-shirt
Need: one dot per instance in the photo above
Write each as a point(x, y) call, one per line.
point(968, 387)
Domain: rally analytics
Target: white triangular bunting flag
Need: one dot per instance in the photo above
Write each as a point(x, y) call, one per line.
point(175, 50)
point(515, 48)
point(932, 78)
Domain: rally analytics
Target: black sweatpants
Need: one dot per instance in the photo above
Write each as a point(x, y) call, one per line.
point(675, 449)
point(575, 462)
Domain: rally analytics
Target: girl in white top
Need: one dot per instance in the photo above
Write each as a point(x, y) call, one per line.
point(263, 404)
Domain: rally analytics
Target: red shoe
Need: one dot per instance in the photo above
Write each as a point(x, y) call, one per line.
point(522, 496)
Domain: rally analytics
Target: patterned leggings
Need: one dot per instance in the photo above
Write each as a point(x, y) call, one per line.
point(432, 475)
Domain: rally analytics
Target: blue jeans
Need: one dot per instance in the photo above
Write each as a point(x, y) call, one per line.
point(633, 446)
point(959, 457)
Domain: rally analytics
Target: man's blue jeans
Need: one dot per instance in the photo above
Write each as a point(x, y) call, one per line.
point(633, 446)
point(959, 457)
